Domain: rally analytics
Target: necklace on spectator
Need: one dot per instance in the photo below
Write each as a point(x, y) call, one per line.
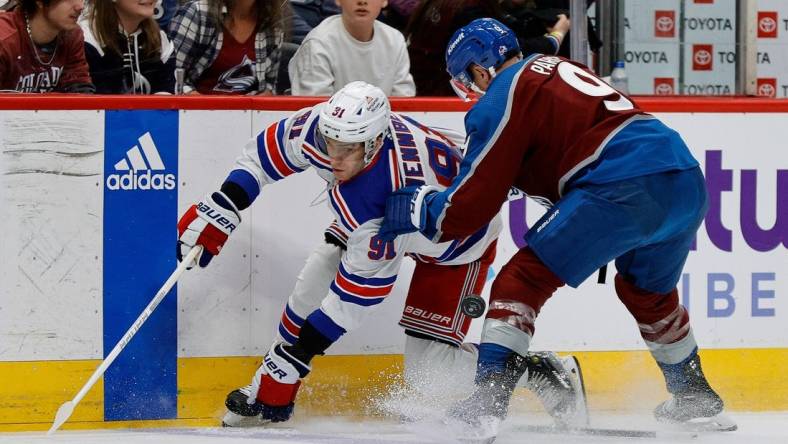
point(35, 47)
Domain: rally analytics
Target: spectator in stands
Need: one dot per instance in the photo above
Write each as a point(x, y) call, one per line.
point(542, 26)
point(352, 46)
point(314, 11)
point(397, 13)
point(431, 25)
point(41, 48)
point(126, 51)
point(229, 47)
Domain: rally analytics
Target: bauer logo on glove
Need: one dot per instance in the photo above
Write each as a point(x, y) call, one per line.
point(219, 220)
point(208, 223)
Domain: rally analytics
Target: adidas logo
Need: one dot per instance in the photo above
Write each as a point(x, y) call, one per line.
point(139, 165)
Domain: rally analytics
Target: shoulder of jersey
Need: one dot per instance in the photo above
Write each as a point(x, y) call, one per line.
point(364, 196)
point(302, 133)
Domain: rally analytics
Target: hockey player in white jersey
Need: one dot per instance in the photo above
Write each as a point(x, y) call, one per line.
point(364, 152)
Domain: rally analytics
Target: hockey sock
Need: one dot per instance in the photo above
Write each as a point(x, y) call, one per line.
point(492, 359)
point(663, 322)
point(523, 285)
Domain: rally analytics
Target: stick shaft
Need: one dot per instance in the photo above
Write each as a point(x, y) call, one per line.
point(189, 259)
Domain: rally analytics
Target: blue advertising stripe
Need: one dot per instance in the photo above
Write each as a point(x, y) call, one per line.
point(140, 215)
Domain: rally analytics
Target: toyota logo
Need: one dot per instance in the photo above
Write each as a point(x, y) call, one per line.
point(767, 90)
point(767, 25)
point(702, 57)
point(664, 24)
point(663, 89)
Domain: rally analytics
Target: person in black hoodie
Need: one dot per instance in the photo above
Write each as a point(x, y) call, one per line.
point(542, 26)
point(126, 51)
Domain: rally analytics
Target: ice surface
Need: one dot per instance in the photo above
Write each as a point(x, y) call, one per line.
point(754, 428)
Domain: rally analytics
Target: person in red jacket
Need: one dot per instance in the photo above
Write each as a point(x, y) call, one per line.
point(42, 48)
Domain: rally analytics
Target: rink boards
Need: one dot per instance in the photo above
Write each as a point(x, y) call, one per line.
point(91, 196)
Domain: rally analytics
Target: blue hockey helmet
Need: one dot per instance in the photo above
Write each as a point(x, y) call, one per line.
point(485, 42)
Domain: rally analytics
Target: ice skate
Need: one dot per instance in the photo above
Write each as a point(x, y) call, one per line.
point(240, 413)
point(558, 383)
point(481, 414)
point(694, 405)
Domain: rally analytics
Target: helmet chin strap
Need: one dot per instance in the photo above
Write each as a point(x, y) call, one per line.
point(493, 72)
point(475, 88)
point(369, 147)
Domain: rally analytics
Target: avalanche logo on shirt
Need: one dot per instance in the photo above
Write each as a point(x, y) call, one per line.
point(239, 78)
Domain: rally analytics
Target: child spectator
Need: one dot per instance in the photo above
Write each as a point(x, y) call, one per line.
point(41, 48)
point(352, 46)
point(229, 47)
point(126, 51)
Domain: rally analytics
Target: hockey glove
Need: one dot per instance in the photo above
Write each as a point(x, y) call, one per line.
point(208, 223)
point(279, 377)
point(406, 211)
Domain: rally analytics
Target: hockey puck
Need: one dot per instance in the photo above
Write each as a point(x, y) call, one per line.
point(473, 306)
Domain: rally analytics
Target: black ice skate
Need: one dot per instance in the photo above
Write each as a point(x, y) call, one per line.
point(478, 417)
point(493, 392)
point(240, 413)
point(558, 383)
point(694, 404)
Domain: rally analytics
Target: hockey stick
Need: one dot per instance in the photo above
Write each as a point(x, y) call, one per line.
point(607, 432)
point(65, 410)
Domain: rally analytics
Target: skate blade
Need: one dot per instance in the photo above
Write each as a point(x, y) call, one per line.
point(484, 432)
point(718, 423)
point(231, 419)
point(450, 429)
point(580, 417)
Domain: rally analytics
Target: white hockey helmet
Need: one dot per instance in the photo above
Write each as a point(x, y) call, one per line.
point(359, 112)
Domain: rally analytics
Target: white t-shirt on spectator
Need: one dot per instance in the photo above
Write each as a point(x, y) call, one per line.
point(330, 57)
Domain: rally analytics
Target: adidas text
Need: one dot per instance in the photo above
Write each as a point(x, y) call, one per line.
point(144, 180)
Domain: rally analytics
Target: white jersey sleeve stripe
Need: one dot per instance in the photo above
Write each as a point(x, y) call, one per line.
point(396, 181)
point(273, 159)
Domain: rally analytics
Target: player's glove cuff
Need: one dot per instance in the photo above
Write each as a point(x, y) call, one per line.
point(418, 211)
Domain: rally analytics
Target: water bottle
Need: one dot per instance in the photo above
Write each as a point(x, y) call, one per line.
point(178, 81)
point(618, 78)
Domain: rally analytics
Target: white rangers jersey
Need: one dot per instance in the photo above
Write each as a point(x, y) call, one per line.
point(412, 154)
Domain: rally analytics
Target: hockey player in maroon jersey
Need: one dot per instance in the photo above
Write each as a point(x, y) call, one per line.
point(619, 185)
point(364, 152)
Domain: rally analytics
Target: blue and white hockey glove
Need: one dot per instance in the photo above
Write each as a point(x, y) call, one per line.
point(279, 377)
point(208, 223)
point(406, 211)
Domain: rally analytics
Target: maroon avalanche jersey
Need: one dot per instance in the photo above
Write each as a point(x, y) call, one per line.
point(543, 124)
point(21, 71)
